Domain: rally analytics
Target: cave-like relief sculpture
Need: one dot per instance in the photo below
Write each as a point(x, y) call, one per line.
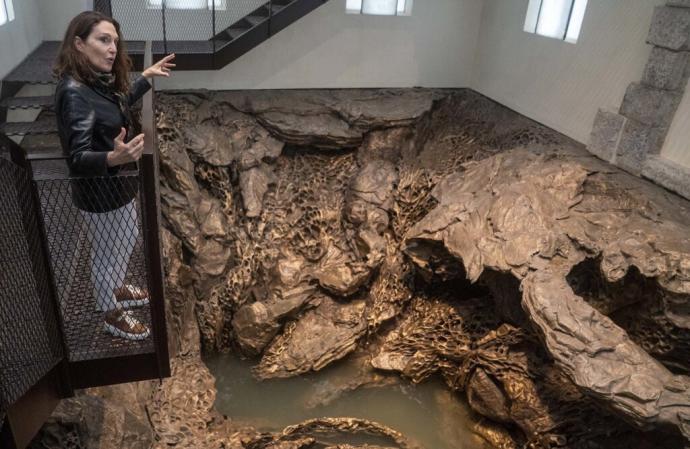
point(411, 233)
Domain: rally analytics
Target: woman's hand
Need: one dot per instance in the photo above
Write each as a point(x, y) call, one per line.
point(124, 153)
point(161, 68)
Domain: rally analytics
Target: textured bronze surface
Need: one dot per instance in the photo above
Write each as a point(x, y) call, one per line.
point(420, 233)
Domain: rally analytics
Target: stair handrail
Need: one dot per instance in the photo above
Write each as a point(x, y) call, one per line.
point(270, 16)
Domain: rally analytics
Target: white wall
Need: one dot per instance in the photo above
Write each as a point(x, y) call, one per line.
point(57, 15)
point(21, 36)
point(559, 84)
point(677, 145)
point(328, 48)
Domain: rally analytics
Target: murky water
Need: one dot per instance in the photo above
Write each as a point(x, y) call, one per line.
point(426, 413)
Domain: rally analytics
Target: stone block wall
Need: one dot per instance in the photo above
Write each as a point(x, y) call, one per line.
point(632, 137)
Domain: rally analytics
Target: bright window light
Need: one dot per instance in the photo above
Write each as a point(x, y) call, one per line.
point(380, 7)
point(576, 18)
point(221, 5)
point(559, 19)
point(6, 11)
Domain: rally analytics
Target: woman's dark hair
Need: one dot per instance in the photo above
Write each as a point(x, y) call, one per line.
point(71, 61)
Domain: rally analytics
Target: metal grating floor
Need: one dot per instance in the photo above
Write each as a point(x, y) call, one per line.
point(70, 258)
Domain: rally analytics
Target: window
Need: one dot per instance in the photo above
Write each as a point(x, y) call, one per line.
point(560, 19)
point(380, 7)
point(6, 11)
point(186, 4)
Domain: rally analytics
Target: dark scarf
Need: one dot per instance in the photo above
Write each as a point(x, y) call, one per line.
point(105, 83)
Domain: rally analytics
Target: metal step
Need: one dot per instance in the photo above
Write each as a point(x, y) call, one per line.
point(37, 67)
point(255, 20)
point(234, 33)
point(42, 149)
point(42, 102)
point(46, 125)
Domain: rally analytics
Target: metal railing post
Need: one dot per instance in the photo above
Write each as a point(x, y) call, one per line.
point(213, 31)
point(213, 24)
point(270, 17)
point(104, 7)
point(165, 34)
point(148, 178)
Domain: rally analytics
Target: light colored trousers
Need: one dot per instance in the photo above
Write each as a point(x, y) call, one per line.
point(112, 236)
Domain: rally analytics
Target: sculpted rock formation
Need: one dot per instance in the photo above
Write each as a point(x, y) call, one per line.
point(321, 336)
point(518, 212)
point(602, 360)
point(332, 250)
point(420, 233)
point(330, 119)
point(347, 425)
point(91, 423)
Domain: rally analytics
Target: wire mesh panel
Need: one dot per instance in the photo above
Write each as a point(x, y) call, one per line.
point(96, 249)
point(29, 330)
point(146, 19)
point(178, 20)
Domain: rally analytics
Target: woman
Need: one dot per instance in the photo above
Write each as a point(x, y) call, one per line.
point(92, 102)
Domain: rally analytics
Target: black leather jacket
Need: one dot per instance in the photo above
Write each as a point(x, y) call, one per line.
point(88, 121)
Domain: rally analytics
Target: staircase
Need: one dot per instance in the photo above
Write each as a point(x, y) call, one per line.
point(27, 117)
point(26, 94)
point(234, 41)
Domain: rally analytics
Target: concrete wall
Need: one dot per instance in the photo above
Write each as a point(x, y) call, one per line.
point(557, 83)
point(329, 48)
point(677, 145)
point(21, 36)
point(57, 15)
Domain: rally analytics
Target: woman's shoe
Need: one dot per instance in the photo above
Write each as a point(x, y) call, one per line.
point(121, 323)
point(129, 296)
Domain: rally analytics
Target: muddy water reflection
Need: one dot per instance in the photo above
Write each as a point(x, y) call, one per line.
point(427, 413)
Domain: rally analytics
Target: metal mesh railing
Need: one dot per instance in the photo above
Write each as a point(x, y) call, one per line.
point(179, 20)
point(30, 343)
point(95, 242)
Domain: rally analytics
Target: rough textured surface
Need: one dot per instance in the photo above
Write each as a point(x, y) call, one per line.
point(666, 69)
point(650, 106)
point(670, 28)
point(418, 233)
point(346, 425)
point(320, 337)
point(332, 119)
point(606, 134)
point(521, 213)
point(87, 422)
point(327, 264)
point(637, 142)
point(601, 358)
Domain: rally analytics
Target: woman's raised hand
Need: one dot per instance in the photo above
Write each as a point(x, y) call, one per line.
point(124, 153)
point(161, 68)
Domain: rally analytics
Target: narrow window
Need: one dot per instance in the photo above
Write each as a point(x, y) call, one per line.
point(559, 19)
point(6, 11)
point(380, 7)
point(220, 5)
